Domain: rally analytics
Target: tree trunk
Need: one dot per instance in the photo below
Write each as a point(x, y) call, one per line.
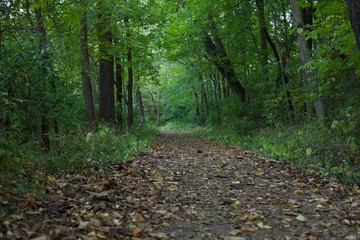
point(156, 105)
point(85, 68)
point(45, 132)
point(106, 90)
point(1, 37)
point(106, 82)
point(354, 16)
point(215, 49)
point(45, 128)
point(129, 103)
point(130, 108)
point(197, 108)
point(263, 40)
point(119, 91)
point(158, 109)
point(217, 98)
point(140, 104)
point(204, 99)
point(304, 53)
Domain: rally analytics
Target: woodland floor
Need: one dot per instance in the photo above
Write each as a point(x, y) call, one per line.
point(188, 188)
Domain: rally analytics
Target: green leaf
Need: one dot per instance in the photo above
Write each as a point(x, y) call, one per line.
point(308, 151)
point(334, 124)
point(300, 30)
point(352, 147)
point(301, 218)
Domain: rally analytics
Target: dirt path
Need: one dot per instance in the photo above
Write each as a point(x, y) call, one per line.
point(190, 188)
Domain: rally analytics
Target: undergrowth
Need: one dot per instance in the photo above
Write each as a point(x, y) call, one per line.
point(329, 149)
point(77, 152)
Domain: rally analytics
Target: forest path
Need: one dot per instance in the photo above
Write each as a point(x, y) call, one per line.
point(190, 188)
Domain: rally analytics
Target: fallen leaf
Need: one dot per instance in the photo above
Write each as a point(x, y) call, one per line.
point(158, 177)
point(247, 229)
point(260, 225)
point(234, 232)
point(300, 218)
point(42, 237)
point(136, 231)
point(160, 235)
point(298, 192)
point(253, 216)
point(260, 173)
point(315, 190)
point(237, 203)
point(83, 225)
point(232, 214)
point(51, 178)
point(166, 225)
point(174, 209)
point(137, 218)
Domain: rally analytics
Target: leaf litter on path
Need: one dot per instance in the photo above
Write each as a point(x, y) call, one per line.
point(188, 188)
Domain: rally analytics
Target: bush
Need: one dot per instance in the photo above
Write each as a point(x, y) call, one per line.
point(317, 147)
point(75, 152)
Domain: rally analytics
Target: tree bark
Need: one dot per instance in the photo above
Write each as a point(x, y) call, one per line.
point(119, 91)
point(140, 104)
point(224, 65)
point(217, 93)
point(130, 108)
point(129, 102)
point(263, 40)
point(215, 49)
point(45, 125)
point(197, 108)
point(304, 53)
point(85, 68)
point(354, 16)
point(106, 82)
point(204, 98)
point(158, 109)
point(156, 105)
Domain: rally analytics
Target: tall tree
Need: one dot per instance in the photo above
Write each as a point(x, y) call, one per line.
point(85, 66)
point(304, 51)
point(130, 107)
point(263, 39)
point(140, 104)
point(45, 124)
point(119, 91)
point(216, 50)
point(106, 68)
point(354, 15)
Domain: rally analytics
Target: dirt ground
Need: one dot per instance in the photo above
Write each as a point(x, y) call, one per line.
point(189, 188)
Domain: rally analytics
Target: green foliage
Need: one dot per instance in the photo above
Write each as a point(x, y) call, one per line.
point(332, 150)
point(108, 144)
point(75, 152)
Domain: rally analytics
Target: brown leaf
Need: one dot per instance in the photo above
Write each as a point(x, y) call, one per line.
point(137, 218)
point(160, 235)
point(253, 216)
point(83, 225)
point(158, 177)
point(136, 231)
point(42, 237)
point(247, 229)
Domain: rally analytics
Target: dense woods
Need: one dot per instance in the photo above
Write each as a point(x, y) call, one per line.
point(78, 78)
